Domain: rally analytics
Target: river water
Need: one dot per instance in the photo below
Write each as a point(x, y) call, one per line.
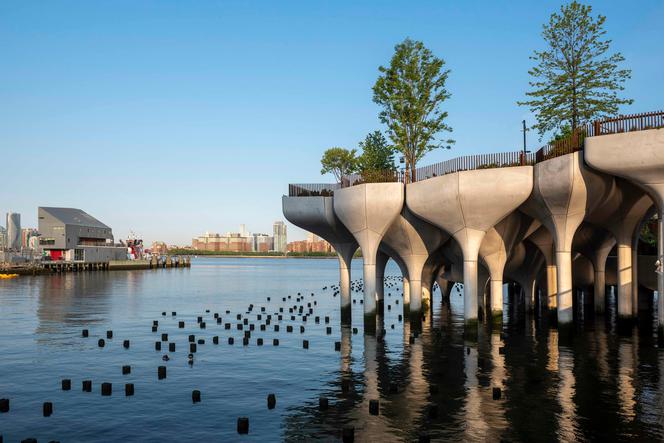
point(598, 385)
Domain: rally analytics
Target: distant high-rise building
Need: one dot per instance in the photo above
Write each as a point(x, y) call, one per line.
point(3, 238)
point(280, 237)
point(13, 231)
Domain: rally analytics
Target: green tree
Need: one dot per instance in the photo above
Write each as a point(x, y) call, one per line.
point(575, 80)
point(339, 161)
point(411, 91)
point(377, 154)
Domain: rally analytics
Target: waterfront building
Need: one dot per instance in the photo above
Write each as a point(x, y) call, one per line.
point(13, 231)
point(261, 242)
point(280, 236)
point(3, 238)
point(158, 248)
point(27, 234)
point(73, 235)
point(313, 243)
point(230, 242)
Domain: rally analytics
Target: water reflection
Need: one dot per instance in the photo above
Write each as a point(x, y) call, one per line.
point(434, 379)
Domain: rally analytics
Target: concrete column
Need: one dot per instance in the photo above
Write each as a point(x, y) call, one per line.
point(369, 271)
point(406, 295)
point(529, 295)
point(344, 286)
point(470, 291)
point(624, 275)
point(565, 289)
point(599, 290)
point(660, 274)
point(381, 263)
point(635, 273)
point(415, 299)
point(496, 298)
point(552, 286)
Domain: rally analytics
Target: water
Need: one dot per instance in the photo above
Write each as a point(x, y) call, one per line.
point(599, 386)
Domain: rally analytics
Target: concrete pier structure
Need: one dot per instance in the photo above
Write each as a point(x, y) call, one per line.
point(637, 156)
point(564, 223)
point(465, 205)
point(367, 211)
point(316, 214)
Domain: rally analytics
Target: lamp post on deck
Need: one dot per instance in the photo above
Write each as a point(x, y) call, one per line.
point(525, 151)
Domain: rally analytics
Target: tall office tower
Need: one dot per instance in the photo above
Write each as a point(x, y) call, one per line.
point(280, 238)
point(13, 231)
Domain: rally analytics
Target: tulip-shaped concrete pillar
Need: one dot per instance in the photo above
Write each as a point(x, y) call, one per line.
point(467, 204)
point(639, 158)
point(367, 211)
point(621, 214)
point(316, 214)
point(413, 240)
point(381, 263)
point(564, 191)
point(595, 243)
point(495, 250)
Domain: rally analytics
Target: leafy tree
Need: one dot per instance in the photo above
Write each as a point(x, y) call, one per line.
point(339, 161)
point(575, 80)
point(411, 91)
point(377, 154)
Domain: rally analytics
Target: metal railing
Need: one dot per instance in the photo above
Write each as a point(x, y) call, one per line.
point(567, 145)
point(384, 176)
point(563, 146)
point(626, 123)
point(473, 162)
point(312, 189)
point(615, 125)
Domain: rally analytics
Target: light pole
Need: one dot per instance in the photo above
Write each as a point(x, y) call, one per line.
point(525, 150)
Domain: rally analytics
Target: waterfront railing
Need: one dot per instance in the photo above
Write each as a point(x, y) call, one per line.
point(569, 144)
point(312, 189)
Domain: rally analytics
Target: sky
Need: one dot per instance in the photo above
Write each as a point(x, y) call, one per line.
point(171, 118)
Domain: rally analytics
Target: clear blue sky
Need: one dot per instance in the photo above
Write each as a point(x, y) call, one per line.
point(172, 118)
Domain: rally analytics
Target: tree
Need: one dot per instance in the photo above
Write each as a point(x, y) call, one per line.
point(411, 91)
point(339, 161)
point(377, 154)
point(575, 80)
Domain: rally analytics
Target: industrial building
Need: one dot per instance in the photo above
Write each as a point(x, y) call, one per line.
point(72, 235)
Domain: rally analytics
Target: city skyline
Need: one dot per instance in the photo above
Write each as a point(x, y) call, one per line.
point(202, 115)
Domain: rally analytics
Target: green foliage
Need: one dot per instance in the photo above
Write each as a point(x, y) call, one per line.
point(411, 91)
point(377, 154)
point(649, 233)
point(574, 80)
point(339, 161)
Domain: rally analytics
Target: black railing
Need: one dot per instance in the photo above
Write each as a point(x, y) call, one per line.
point(473, 162)
point(567, 145)
point(312, 189)
point(385, 176)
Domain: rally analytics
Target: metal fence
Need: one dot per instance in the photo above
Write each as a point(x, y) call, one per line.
point(472, 162)
point(312, 189)
point(615, 125)
point(627, 123)
point(567, 145)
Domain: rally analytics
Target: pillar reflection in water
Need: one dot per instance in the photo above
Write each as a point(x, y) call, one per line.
point(476, 426)
point(561, 360)
point(627, 362)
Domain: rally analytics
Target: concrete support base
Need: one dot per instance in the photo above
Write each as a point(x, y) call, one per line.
point(470, 292)
point(565, 299)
